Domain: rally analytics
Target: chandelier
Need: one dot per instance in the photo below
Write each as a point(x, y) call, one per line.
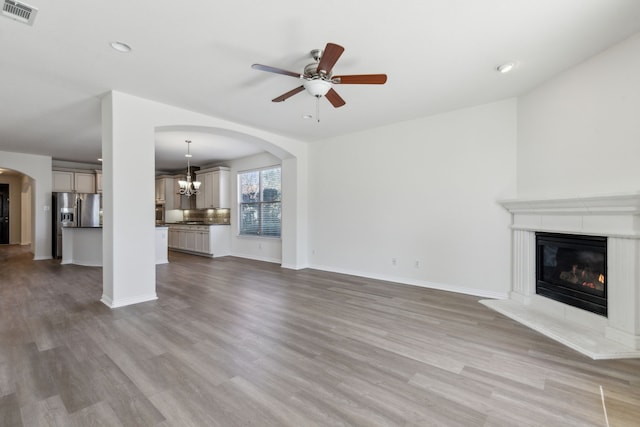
point(188, 187)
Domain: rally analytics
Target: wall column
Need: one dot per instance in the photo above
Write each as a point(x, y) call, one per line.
point(128, 152)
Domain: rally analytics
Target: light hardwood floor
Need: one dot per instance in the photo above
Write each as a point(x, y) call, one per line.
point(232, 342)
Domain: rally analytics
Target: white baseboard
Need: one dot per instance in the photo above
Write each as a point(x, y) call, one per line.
point(83, 263)
point(109, 302)
point(258, 258)
point(294, 267)
point(413, 282)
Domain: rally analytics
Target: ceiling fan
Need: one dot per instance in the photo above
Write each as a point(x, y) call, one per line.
point(318, 79)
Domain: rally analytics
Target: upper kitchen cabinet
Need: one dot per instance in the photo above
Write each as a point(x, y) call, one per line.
point(166, 192)
point(214, 188)
point(98, 181)
point(63, 181)
point(84, 182)
point(167, 188)
point(182, 201)
point(160, 191)
point(75, 182)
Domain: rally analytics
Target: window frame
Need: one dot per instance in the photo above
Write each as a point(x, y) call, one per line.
point(259, 203)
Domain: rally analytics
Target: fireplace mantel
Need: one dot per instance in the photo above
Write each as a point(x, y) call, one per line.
point(615, 216)
point(593, 205)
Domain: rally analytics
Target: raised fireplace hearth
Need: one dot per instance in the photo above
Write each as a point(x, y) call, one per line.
point(604, 273)
point(572, 269)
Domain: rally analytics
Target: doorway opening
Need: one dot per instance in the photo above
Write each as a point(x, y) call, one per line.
point(4, 214)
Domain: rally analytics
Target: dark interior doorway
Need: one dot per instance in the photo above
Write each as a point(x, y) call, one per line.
point(4, 214)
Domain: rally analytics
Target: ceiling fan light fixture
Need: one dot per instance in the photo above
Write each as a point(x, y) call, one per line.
point(317, 88)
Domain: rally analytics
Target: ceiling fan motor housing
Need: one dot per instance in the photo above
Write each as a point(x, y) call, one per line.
point(311, 71)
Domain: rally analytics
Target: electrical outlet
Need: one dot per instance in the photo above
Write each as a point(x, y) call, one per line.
point(394, 261)
point(416, 264)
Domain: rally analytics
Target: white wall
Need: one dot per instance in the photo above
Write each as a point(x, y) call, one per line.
point(38, 168)
point(26, 211)
point(579, 133)
point(420, 191)
point(259, 248)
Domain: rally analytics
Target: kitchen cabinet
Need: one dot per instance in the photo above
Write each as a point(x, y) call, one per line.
point(167, 193)
point(181, 201)
point(84, 182)
point(202, 241)
point(63, 181)
point(160, 190)
point(74, 182)
point(214, 188)
point(98, 181)
point(205, 240)
point(174, 237)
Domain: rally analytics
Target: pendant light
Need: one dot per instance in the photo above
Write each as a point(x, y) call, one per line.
point(188, 187)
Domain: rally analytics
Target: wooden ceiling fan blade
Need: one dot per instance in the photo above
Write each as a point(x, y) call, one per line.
point(335, 99)
point(269, 69)
point(288, 95)
point(361, 79)
point(329, 58)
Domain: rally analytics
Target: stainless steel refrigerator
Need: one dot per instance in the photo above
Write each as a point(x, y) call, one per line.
point(74, 210)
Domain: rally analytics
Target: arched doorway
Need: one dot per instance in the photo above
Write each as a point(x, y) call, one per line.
point(33, 188)
point(16, 207)
point(129, 270)
point(217, 146)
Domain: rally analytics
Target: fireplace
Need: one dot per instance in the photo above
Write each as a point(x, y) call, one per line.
point(612, 329)
point(572, 269)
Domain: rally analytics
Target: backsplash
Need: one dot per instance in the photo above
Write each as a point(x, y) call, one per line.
point(208, 216)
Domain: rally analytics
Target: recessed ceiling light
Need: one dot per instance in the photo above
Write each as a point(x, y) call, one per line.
point(120, 47)
point(506, 67)
point(99, 159)
point(307, 116)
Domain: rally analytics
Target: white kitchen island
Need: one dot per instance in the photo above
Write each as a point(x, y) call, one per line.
point(83, 246)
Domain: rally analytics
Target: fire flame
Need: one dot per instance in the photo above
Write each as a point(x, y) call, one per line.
point(601, 278)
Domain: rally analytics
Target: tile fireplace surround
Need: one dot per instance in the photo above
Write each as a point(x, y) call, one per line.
point(615, 216)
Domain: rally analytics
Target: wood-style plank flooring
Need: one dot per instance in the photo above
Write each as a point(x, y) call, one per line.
point(232, 342)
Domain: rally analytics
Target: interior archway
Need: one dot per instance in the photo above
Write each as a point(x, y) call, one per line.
point(20, 212)
point(217, 146)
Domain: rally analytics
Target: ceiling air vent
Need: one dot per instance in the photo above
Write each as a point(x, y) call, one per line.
point(19, 11)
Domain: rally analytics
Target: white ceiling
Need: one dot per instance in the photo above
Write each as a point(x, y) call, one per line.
point(439, 55)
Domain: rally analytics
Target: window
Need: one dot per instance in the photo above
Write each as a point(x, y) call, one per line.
point(260, 202)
